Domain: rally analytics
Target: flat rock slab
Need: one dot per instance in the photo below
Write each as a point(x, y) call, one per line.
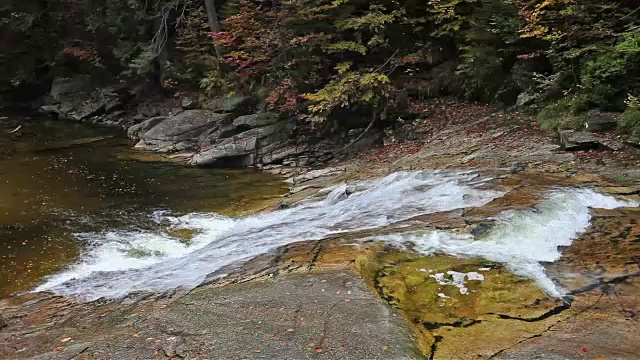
point(328, 315)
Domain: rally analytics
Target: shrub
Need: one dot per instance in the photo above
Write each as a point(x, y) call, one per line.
point(563, 114)
point(630, 121)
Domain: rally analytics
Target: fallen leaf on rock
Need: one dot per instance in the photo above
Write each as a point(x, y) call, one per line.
point(59, 348)
point(312, 345)
point(319, 349)
point(323, 281)
point(338, 292)
point(258, 351)
point(349, 292)
point(136, 335)
point(290, 330)
point(65, 340)
point(347, 300)
point(385, 348)
point(584, 350)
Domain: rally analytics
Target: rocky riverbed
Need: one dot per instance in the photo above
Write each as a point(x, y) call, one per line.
point(518, 250)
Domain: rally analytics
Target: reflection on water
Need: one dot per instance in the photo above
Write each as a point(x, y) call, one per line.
point(60, 178)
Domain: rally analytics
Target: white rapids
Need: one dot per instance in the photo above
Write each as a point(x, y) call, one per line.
point(119, 262)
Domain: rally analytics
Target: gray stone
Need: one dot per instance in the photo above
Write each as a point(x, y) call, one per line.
point(581, 140)
point(141, 128)
point(113, 105)
point(281, 154)
point(64, 89)
point(256, 120)
point(50, 109)
point(597, 121)
point(186, 126)
point(66, 352)
point(633, 141)
point(525, 99)
point(229, 148)
point(88, 109)
point(189, 103)
point(230, 104)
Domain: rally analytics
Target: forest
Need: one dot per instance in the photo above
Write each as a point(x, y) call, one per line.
point(320, 59)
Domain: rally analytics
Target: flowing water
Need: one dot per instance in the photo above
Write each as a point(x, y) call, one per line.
point(61, 180)
point(139, 232)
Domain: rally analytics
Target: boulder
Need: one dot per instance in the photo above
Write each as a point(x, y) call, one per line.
point(141, 128)
point(597, 121)
point(238, 105)
point(113, 105)
point(88, 109)
point(189, 103)
point(66, 89)
point(571, 140)
point(182, 131)
point(525, 99)
point(258, 119)
point(246, 143)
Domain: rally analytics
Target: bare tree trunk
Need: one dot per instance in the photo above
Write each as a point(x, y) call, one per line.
point(214, 22)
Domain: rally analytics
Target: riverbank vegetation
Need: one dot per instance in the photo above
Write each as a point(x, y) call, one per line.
point(317, 58)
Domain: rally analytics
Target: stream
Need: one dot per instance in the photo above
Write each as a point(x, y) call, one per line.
point(60, 181)
point(89, 221)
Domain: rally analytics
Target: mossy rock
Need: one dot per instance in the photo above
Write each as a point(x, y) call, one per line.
point(510, 306)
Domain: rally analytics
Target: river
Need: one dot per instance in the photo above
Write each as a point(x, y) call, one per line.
point(60, 181)
point(83, 216)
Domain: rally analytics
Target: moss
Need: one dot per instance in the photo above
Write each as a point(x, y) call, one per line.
point(440, 314)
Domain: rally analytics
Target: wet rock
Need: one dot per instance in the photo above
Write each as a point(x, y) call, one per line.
point(450, 314)
point(281, 206)
point(598, 121)
point(180, 132)
point(315, 174)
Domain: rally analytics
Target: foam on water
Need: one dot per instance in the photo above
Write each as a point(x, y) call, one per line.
point(524, 239)
point(119, 262)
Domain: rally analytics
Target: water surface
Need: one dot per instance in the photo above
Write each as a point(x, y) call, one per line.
point(59, 180)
